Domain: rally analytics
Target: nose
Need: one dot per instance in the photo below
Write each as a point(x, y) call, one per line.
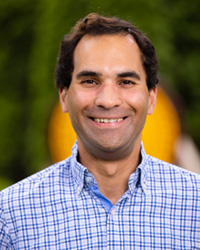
point(108, 96)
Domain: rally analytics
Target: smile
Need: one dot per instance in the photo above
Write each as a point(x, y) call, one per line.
point(105, 120)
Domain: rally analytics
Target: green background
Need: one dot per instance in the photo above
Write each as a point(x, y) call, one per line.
point(30, 34)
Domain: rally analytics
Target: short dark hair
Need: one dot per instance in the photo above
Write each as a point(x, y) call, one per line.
point(94, 25)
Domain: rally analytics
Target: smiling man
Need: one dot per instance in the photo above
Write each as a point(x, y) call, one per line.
point(108, 101)
point(109, 194)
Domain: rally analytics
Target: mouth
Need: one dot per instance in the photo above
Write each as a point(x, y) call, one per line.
point(106, 120)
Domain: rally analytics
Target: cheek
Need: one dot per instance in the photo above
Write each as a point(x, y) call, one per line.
point(139, 101)
point(77, 101)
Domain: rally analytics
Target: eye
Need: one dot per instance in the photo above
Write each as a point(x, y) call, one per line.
point(89, 81)
point(127, 82)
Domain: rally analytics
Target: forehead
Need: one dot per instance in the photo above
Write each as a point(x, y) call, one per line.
point(108, 53)
point(106, 41)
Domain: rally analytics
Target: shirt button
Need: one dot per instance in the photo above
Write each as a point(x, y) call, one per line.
point(112, 211)
point(79, 188)
point(144, 187)
point(88, 179)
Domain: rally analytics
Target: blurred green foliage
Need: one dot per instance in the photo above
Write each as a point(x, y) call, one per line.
point(31, 32)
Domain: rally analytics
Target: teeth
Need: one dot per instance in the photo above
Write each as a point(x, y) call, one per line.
point(100, 120)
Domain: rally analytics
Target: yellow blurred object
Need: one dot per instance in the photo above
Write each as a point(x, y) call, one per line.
point(162, 129)
point(160, 133)
point(61, 134)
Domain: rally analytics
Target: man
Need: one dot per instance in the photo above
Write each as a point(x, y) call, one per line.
point(109, 194)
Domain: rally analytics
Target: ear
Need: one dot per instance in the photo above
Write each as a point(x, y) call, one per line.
point(152, 100)
point(63, 99)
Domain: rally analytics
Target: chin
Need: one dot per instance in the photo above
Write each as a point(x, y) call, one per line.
point(112, 150)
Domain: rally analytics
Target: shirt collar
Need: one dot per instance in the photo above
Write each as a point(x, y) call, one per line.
point(78, 170)
point(139, 177)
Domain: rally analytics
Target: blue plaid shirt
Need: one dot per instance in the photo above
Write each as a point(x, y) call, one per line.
point(61, 208)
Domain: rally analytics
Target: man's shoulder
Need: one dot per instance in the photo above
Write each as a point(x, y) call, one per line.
point(171, 174)
point(43, 180)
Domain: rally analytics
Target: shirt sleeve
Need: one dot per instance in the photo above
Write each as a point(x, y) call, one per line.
point(5, 240)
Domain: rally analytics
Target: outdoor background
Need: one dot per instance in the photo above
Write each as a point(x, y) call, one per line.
point(30, 35)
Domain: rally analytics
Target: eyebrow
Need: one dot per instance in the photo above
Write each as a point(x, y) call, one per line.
point(97, 74)
point(129, 74)
point(87, 73)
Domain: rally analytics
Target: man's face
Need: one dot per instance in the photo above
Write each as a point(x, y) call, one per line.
point(108, 99)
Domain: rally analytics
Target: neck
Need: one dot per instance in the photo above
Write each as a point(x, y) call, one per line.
point(112, 176)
